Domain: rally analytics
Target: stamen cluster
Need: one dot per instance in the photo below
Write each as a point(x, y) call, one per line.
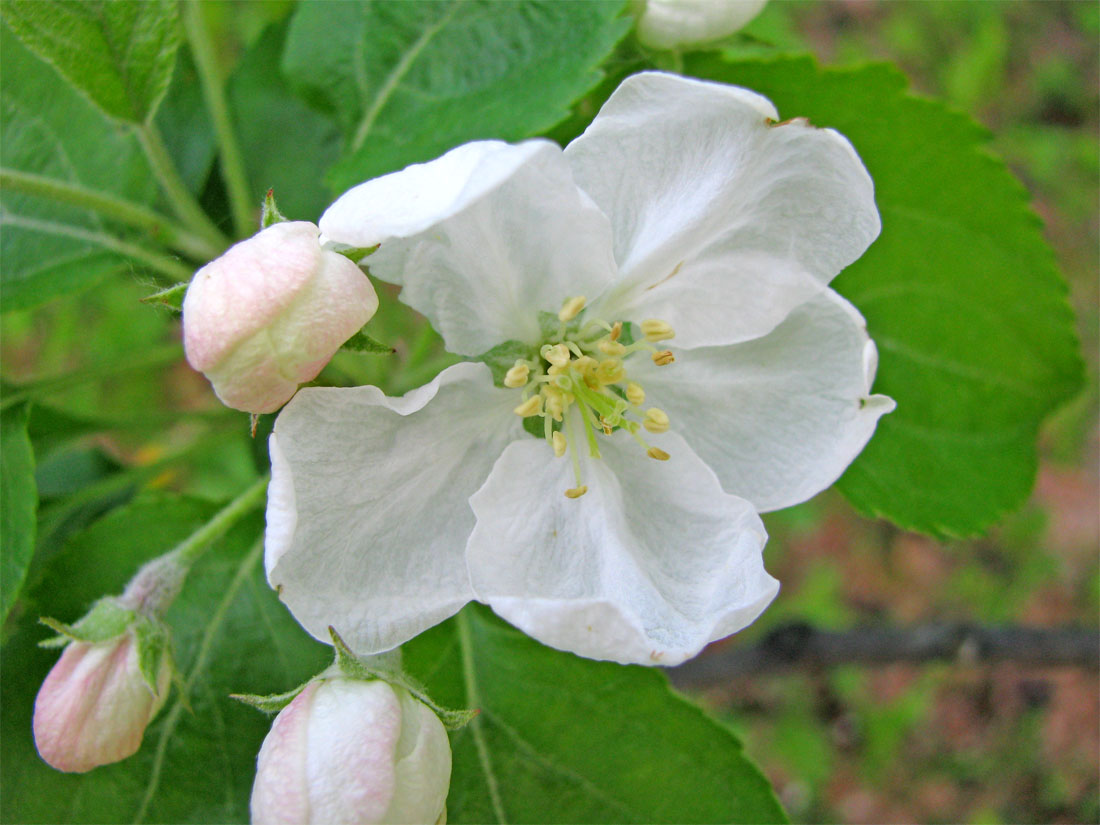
point(583, 366)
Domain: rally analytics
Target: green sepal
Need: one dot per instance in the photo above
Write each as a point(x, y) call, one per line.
point(387, 667)
point(154, 642)
point(549, 325)
point(355, 254)
point(627, 336)
point(273, 703)
point(270, 215)
point(503, 357)
point(361, 342)
point(172, 297)
point(106, 620)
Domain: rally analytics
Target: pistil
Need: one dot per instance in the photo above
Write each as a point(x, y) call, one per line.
point(583, 368)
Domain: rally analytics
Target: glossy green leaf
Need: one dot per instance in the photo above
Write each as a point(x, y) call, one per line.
point(961, 294)
point(230, 635)
point(564, 739)
point(118, 53)
point(18, 501)
point(408, 81)
point(48, 129)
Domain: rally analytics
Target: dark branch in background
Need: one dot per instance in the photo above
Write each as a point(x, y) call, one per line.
point(802, 646)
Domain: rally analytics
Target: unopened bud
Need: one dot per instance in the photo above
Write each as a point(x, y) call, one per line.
point(655, 330)
point(270, 313)
point(517, 376)
point(635, 394)
point(663, 358)
point(674, 24)
point(656, 421)
point(570, 309)
point(95, 704)
point(352, 751)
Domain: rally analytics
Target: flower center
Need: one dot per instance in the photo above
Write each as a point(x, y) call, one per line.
point(584, 367)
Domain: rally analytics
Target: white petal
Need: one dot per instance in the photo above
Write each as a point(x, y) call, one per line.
point(779, 418)
point(367, 511)
point(485, 237)
point(647, 567)
point(705, 195)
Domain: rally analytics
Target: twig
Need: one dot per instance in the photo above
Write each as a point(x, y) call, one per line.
point(799, 645)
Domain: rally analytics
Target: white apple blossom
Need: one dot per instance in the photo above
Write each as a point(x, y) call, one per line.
point(270, 313)
point(672, 24)
point(686, 214)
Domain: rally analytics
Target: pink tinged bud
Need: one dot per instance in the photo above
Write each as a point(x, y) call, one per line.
point(349, 751)
point(94, 706)
point(270, 313)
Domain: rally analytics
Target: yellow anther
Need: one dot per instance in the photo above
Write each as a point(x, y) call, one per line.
point(570, 309)
point(610, 371)
point(663, 358)
point(517, 375)
point(616, 330)
point(558, 354)
point(656, 421)
point(609, 347)
point(577, 492)
point(657, 453)
point(587, 367)
point(532, 406)
point(605, 425)
point(635, 394)
point(655, 330)
point(557, 369)
point(559, 444)
point(554, 402)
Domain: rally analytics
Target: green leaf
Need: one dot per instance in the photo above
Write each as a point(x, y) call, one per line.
point(276, 131)
point(48, 129)
point(18, 501)
point(230, 634)
point(184, 122)
point(119, 53)
point(565, 739)
point(961, 294)
point(408, 81)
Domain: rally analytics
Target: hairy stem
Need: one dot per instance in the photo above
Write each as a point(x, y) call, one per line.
point(198, 542)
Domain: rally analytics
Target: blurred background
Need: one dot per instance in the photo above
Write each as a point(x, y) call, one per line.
point(952, 742)
point(928, 742)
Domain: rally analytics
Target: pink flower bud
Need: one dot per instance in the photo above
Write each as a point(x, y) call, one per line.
point(270, 313)
point(94, 705)
point(349, 751)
